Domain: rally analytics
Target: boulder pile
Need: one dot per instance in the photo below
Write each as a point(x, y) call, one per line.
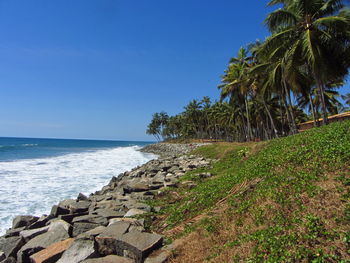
point(105, 227)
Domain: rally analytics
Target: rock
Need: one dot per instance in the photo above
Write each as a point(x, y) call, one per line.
point(137, 245)
point(80, 250)
point(158, 256)
point(136, 187)
point(2, 256)
point(52, 253)
point(10, 246)
point(9, 260)
point(68, 218)
point(82, 197)
point(92, 233)
point(79, 228)
point(108, 213)
point(41, 222)
point(40, 242)
point(58, 210)
point(134, 212)
point(20, 221)
point(109, 259)
point(14, 231)
point(95, 219)
point(106, 240)
point(29, 234)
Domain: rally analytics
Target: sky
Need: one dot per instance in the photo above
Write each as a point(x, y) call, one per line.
point(99, 69)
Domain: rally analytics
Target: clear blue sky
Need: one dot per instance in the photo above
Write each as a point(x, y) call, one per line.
point(101, 68)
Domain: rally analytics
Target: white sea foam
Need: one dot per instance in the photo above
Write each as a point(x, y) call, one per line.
point(32, 186)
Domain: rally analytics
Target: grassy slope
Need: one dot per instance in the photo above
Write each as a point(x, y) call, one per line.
point(286, 200)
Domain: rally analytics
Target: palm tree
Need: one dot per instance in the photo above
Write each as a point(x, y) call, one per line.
point(316, 36)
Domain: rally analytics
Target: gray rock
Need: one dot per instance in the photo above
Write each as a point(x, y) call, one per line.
point(160, 256)
point(82, 197)
point(14, 231)
point(69, 218)
point(80, 250)
point(79, 228)
point(9, 260)
point(134, 212)
point(95, 219)
point(138, 245)
point(40, 242)
point(109, 259)
point(20, 221)
point(107, 239)
point(108, 213)
point(58, 210)
point(2, 256)
point(41, 222)
point(29, 234)
point(10, 246)
point(136, 187)
point(92, 233)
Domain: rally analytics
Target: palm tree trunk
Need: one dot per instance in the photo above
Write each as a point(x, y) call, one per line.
point(323, 103)
point(248, 120)
point(312, 109)
point(271, 119)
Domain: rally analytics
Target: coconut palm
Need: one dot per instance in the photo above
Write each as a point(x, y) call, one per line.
point(315, 34)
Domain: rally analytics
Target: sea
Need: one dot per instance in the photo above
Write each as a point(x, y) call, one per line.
point(36, 173)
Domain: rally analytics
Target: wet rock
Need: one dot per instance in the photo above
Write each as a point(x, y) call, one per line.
point(20, 221)
point(109, 259)
point(80, 250)
point(52, 253)
point(10, 246)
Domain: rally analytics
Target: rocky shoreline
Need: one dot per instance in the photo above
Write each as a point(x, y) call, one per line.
point(107, 226)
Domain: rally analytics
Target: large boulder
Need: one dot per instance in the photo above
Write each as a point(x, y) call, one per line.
point(109, 259)
point(20, 221)
point(52, 253)
point(80, 250)
point(79, 228)
point(95, 219)
point(11, 245)
point(134, 212)
point(138, 245)
point(107, 239)
point(41, 242)
point(14, 231)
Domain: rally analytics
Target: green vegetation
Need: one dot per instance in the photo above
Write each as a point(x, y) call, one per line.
point(306, 58)
point(285, 200)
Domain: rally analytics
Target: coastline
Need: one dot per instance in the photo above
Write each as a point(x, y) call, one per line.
point(108, 223)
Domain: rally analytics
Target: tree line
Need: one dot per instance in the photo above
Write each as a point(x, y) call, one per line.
point(270, 86)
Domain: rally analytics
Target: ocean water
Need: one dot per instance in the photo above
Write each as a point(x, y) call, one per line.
point(37, 173)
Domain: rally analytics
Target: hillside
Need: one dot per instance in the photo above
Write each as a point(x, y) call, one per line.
point(285, 200)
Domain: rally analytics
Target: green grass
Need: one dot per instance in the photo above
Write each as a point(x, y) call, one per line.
point(287, 172)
